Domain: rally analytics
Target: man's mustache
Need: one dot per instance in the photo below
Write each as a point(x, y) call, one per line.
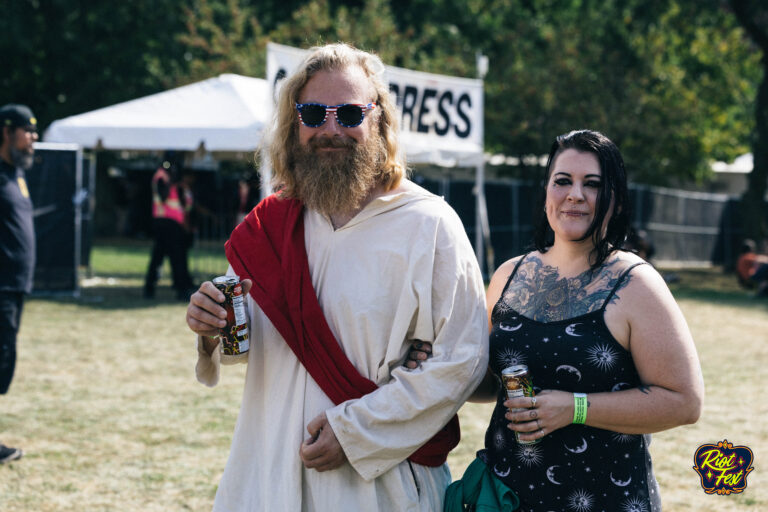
point(320, 142)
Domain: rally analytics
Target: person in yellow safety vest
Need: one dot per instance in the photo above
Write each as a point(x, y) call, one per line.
point(171, 204)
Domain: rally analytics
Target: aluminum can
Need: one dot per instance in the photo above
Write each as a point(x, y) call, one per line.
point(517, 382)
point(233, 336)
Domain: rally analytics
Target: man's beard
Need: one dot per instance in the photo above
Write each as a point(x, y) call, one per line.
point(22, 159)
point(337, 181)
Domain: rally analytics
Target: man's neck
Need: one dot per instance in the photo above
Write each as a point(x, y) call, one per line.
point(340, 219)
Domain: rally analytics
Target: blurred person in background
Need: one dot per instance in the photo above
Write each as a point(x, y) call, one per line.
point(752, 268)
point(344, 267)
point(18, 133)
point(609, 352)
point(640, 243)
point(172, 202)
point(247, 196)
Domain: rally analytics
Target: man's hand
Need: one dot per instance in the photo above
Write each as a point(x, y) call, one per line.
point(204, 314)
point(321, 451)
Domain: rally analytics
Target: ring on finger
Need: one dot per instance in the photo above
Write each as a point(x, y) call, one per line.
point(533, 401)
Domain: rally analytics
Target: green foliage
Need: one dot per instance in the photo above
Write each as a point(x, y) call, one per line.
point(222, 38)
point(63, 57)
point(753, 16)
point(673, 94)
point(673, 82)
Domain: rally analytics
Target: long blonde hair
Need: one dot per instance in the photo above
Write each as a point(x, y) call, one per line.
point(285, 136)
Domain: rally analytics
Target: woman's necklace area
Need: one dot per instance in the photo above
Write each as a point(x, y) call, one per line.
point(558, 293)
point(561, 292)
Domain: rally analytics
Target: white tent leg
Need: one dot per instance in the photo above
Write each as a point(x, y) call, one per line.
point(483, 247)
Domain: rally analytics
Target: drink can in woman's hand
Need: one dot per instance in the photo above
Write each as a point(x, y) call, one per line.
point(233, 336)
point(517, 382)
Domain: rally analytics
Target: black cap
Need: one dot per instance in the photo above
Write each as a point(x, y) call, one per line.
point(14, 115)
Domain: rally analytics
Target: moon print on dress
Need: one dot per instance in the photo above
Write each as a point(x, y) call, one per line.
point(620, 386)
point(634, 505)
point(602, 356)
point(571, 330)
point(502, 471)
point(620, 483)
point(580, 501)
point(570, 369)
point(579, 449)
point(509, 328)
point(551, 474)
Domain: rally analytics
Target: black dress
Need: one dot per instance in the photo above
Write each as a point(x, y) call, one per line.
point(575, 468)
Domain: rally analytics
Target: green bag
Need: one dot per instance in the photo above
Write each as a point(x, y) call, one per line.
point(480, 491)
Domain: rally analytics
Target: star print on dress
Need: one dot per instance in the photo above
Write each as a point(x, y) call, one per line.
point(622, 438)
point(510, 357)
point(499, 438)
point(580, 501)
point(529, 455)
point(602, 356)
point(634, 505)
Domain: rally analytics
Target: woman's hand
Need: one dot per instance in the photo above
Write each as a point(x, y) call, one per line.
point(535, 417)
point(419, 351)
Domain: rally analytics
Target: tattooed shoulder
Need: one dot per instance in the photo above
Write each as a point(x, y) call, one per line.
point(539, 292)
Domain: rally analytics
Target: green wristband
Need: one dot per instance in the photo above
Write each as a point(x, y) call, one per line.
point(580, 408)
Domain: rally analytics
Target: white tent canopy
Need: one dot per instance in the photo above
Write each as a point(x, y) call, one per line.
point(230, 113)
point(224, 113)
point(742, 165)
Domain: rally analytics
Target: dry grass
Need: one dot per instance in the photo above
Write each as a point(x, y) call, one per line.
point(107, 408)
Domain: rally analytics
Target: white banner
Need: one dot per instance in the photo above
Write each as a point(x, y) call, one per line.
point(441, 117)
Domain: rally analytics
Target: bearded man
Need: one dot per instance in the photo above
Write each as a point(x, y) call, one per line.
point(344, 267)
point(18, 133)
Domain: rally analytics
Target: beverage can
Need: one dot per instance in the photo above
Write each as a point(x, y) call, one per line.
point(517, 382)
point(233, 336)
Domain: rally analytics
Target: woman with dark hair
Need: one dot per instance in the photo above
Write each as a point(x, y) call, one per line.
point(609, 353)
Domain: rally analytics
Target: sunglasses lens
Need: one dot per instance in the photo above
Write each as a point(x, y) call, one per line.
point(312, 115)
point(349, 115)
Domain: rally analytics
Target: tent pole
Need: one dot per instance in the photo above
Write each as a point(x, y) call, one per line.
point(483, 247)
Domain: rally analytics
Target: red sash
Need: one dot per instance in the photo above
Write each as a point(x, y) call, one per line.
point(268, 248)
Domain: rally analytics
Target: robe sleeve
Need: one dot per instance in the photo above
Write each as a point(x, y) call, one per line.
point(208, 367)
point(383, 428)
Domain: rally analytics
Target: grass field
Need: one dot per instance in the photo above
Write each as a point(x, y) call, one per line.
point(106, 406)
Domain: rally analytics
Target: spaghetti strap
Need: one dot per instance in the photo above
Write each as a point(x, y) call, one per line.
point(512, 275)
point(620, 280)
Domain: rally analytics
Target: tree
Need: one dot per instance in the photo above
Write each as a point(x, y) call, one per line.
point(65, 57)
point(666, 79)
point(222, 38)
point(671, 81)
point(753, 16)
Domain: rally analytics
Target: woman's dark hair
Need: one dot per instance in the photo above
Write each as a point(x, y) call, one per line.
point(614, 186)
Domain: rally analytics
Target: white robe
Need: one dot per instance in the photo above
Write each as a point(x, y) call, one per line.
point(400, 270)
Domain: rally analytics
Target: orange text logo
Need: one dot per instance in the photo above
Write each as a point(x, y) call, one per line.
point(723, 468)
